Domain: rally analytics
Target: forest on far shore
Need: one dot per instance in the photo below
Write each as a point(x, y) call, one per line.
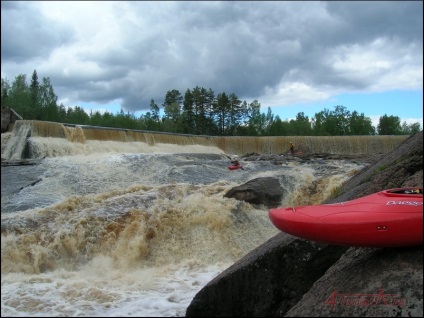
point(199, 111)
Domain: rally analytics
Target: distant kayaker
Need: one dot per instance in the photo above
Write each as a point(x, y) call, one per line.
point(236, 163)
point(292, 148)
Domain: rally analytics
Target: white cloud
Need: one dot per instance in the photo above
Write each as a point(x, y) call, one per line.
point(287, 93)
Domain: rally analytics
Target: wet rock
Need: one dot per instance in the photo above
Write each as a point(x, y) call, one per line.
point(266, 191)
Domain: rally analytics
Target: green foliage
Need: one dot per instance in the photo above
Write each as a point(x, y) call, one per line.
point(389, 125)
point(35, 97)
point(410, 129)
point(77, 115)
point(256, 120)
point(172, 104)
point(18, 97)
point(301, 126)
point(199, 112)
point(47, 102)
point(333, 123)
point(222, 114)
point(360, 125)
point(278, 127)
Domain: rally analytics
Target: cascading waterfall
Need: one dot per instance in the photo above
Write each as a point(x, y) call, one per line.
point(38, 139)
point(14, 144)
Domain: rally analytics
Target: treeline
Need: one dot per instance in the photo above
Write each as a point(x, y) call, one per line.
point(199, 111)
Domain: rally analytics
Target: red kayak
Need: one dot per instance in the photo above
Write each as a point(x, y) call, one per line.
point(235, 167)
point(388, 218)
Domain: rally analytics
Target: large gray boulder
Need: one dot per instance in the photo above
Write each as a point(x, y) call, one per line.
point(260, 191)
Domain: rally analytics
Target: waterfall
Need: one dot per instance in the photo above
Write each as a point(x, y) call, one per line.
point(32, 139)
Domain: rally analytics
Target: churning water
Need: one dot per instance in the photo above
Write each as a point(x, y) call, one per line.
point(133, 229)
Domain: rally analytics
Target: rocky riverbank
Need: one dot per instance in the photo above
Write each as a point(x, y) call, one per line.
point(289, 276)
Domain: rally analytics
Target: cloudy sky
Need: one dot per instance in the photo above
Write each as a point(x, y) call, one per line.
point(300, 56)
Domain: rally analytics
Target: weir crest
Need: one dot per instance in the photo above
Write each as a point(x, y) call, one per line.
point(30, 139)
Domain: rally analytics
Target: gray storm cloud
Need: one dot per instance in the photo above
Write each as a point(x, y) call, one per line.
point(137, 51)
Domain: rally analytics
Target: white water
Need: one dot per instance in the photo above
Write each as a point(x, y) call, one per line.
point(121, 233)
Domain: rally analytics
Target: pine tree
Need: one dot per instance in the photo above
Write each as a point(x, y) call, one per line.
point(34, 98)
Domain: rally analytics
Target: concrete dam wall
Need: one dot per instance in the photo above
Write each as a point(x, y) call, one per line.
point(30, 139)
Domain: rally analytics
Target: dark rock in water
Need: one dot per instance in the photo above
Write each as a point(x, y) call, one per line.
point(266, 191)
point(266, 282)
point(271, 280)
